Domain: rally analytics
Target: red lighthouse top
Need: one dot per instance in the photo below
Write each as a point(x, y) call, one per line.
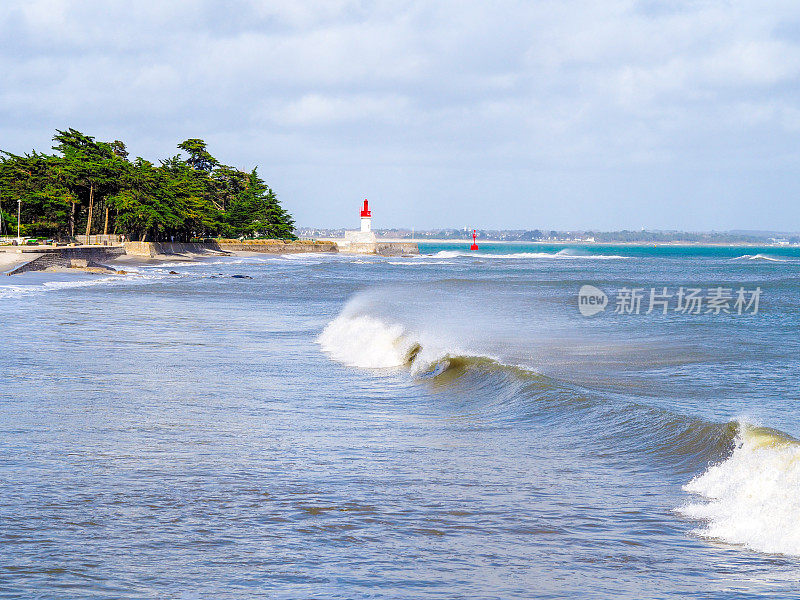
point(366, 212)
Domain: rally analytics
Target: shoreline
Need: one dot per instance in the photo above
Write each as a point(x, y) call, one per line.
point(590, 244)
point(11, 259)
point(117, 258)
point(116, 265)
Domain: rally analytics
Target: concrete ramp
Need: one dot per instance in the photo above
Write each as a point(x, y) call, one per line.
point(68, 258)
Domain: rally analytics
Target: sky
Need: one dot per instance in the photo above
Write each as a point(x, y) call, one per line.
point(517, 115)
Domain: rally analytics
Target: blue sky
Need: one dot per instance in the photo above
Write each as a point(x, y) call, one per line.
point(557, 115)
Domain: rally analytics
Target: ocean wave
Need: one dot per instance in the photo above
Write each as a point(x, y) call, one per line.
point(417, 263)
point(367, 342)
point(748, 496)
point(751, 497)
point(133, 277)
point(15, 291)
point(561, 254)
point(760, 257)
point(167, 265)
point(305, 256)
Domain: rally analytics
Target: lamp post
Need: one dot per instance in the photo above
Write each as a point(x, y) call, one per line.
point(19, 213)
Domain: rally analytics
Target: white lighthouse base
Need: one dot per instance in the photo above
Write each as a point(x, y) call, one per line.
point(361, 242)
point(364, 242)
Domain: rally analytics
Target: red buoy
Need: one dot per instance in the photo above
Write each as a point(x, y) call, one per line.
point(474, 245)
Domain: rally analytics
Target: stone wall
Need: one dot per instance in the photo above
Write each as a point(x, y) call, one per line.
point(278, 246)
point(379, 248)
point(396, 248)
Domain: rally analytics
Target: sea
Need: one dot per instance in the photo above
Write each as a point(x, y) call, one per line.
point(520, 421)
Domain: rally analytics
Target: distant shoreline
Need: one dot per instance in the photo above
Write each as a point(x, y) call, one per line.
point(592, 244)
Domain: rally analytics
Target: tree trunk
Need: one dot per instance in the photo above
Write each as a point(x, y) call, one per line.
point(105, 227)
point(72, 221)
point(91, 207)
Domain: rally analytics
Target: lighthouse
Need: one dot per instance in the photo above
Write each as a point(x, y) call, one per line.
point(364, 241)
point(366, 218)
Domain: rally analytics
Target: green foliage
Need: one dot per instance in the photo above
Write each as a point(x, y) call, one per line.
point(199, 158)
point(255, 212)
point(180, 199)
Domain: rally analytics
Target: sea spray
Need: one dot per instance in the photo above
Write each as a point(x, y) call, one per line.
point(751, 498)
point(367, 342)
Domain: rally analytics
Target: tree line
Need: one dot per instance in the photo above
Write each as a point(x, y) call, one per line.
point(92, 187)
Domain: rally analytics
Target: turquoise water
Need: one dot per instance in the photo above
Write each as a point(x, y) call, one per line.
point(441, 426)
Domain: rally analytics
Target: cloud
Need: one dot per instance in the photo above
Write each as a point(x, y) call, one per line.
point(542, 109)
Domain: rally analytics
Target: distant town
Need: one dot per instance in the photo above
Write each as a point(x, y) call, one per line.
point(601, 237)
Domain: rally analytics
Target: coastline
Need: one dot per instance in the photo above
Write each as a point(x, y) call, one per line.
point(101, 259)
point(588, 244)
point(11, 259)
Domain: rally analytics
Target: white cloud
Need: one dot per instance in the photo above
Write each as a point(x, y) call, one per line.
point(403, 88)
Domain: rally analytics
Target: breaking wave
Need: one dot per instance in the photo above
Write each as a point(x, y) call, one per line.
point(760, 257)
point(367, 342)
point(748, 496)
point(751, 498)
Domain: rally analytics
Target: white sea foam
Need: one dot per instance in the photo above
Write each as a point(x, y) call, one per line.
point(363, 341)
point(15, 291)
point(134, 277)
point(304, 256)
point(167, 265)
point(760, 257)
point(752, 497)
point(417, 263)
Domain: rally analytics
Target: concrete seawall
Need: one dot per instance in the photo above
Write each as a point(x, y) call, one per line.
point(378, 247)
point(151, 249)
point(278, 246)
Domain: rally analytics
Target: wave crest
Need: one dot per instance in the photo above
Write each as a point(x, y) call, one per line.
point(748, 496)
point(366, 342)
point(760, 257)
